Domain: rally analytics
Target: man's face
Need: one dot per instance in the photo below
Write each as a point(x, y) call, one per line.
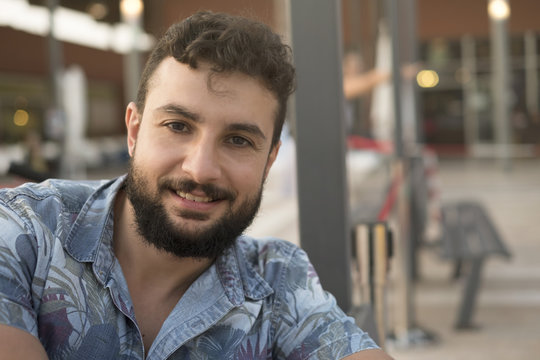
point(203, 151)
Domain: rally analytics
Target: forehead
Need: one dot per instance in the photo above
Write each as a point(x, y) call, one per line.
point(172, 73)
point(229, 96)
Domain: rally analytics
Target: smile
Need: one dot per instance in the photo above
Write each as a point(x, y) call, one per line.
point(187, 196)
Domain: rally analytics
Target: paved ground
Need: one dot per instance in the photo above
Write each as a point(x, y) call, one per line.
point(508, 312)
point(508, 308)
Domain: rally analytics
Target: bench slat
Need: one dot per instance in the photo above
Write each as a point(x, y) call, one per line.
point(468, 232)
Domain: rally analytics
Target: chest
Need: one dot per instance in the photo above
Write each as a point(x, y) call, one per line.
point(151, 311)
point(80, 317)
point(77, 315)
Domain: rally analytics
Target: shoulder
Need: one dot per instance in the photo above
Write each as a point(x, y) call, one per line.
point(265, 248)
point(282, 264)
point(270, 256)
point(44, 212)
point(306, 320)
point(46, 200)
point(66, 192)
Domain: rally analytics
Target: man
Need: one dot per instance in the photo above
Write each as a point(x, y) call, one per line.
point(153, 265)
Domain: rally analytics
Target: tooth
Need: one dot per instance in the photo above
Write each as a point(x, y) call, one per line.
point(193, 197)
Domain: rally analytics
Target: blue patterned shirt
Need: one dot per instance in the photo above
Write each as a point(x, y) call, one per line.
point(61, 282)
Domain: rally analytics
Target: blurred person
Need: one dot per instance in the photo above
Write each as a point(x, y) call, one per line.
point(356, 81)
point(153, 264)
point(34, 156)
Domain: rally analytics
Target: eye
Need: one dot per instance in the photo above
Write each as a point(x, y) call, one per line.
point(177, 126)
point(239, 141)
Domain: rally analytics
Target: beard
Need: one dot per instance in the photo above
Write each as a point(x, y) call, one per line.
point(156, 227)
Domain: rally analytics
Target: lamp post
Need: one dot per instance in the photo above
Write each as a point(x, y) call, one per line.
point(131, 12)
point(55, 121)
point(499, 12)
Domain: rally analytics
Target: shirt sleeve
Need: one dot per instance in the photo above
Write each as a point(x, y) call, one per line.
point(308, 322)
point(18, 257)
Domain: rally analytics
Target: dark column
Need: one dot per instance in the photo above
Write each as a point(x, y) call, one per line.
point(322, 183)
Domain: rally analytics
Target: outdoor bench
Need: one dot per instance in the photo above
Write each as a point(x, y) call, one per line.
point(468, 238)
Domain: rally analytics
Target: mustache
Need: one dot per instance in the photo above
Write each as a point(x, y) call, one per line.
point(187, 185)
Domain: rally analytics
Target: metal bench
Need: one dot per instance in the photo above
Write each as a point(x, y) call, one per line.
point(468, 238)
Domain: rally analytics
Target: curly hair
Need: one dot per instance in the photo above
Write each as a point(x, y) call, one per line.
point(229, 43)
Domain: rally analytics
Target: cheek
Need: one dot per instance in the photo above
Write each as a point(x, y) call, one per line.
point(156, 156)
point(152, 167)
point(247, 177)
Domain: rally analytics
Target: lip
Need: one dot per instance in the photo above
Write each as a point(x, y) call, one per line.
point(204, 205)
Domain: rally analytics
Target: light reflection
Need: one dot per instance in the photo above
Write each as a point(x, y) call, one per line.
point(427, 78)
point(98, 10)
point(498, 9)
point(131, 9)
point(21, 118)
point(72, 26)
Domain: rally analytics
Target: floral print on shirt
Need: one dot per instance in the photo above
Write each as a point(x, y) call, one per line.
point(60, 281)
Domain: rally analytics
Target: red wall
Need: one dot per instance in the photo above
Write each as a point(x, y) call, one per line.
point(454, 18)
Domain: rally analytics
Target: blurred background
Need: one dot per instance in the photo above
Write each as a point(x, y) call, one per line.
point(412, 105)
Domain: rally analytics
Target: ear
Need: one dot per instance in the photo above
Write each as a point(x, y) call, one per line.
point(133, 124)
point(271, 158)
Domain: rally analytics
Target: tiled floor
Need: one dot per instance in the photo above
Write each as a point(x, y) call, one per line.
point(508, 308)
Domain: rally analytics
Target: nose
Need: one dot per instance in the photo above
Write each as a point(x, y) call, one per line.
point(201, 162)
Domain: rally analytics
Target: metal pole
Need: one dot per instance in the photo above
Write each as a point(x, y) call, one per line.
point(531, 74)
point(282, 18)
point(470, 89)
point(501, 89)
point(401, 19)
point(393, 22)
point(56, 117)
point(131, 13)
point(403, 244)
point(55, 56)
point(322, 186)
point(413, 58)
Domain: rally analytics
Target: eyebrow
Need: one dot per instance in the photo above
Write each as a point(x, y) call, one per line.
point(178, 110)
point(182, 111)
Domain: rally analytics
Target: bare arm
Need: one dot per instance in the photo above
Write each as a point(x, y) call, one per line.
point(369, 355)
point(356, 85)
point(17, 344)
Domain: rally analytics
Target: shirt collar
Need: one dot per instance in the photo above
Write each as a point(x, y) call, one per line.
point(238, 275)
point(91, 236)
